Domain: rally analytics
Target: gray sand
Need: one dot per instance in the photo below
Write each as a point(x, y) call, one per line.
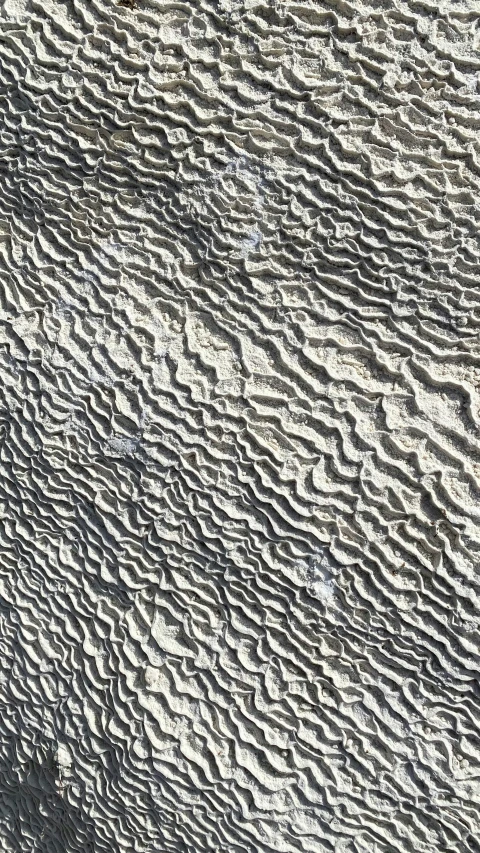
point(239, 426)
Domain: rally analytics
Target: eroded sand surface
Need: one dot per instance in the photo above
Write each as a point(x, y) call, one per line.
point(239, 444)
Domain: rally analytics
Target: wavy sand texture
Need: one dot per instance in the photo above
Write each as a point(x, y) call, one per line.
point(239, 426)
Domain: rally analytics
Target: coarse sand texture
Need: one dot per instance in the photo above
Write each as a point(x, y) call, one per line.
point(239, 426)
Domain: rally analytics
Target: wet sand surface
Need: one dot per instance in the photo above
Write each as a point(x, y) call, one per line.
point(239, 426)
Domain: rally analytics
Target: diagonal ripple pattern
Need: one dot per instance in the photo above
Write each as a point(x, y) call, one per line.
point(239, 426)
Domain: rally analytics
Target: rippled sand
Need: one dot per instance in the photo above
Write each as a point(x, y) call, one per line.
point(239, 426)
